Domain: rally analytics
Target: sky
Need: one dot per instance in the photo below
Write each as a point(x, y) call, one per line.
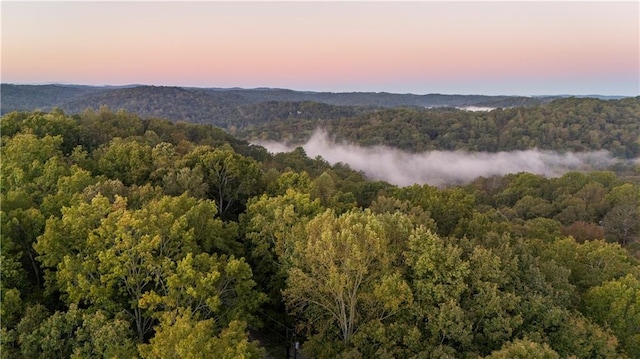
point(449, 47)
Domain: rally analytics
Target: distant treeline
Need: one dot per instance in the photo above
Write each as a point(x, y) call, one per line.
point(401, 121)
point(563, 125)
point(232, 108)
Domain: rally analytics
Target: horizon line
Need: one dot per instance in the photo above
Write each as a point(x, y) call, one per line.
point(313, 91)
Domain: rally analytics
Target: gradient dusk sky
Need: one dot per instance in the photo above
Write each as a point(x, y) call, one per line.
point(509, 48)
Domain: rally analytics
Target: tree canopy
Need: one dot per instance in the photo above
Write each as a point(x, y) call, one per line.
point(130, 237)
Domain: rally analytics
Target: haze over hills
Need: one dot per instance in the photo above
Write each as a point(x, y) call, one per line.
point(217, 105)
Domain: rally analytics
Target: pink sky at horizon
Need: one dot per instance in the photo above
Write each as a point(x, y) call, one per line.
point(519, 48)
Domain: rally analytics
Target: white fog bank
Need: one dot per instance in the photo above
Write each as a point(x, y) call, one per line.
point(476, 109)
point(440, 168)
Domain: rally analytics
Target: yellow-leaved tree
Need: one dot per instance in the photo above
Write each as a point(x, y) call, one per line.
point(342, 279)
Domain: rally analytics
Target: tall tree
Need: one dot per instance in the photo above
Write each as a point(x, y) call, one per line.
point(616, 304)
point(181, 335)
point(108, 256)
point(127, 160)
point(272, 226)
point(341, 279)
point(230, 177)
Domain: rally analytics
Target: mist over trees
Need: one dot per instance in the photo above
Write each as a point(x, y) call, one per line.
point(571, 124)
point(127, 237)
point(445, 168)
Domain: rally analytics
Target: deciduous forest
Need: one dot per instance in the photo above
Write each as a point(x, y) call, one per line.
point(124, 236)
point(569, 124)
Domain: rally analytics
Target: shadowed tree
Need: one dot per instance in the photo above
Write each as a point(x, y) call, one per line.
point(231, 178)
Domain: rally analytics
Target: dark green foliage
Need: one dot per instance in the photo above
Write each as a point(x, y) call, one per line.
point(125, 237)
point(562, 125)
point(43, 97)
point(231, 107)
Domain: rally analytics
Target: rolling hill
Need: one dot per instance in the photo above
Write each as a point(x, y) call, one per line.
point(232, 107)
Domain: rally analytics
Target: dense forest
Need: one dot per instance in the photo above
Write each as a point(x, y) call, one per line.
point(124, 236)
point(563, 125)
point(234, 108)
point(219, 105)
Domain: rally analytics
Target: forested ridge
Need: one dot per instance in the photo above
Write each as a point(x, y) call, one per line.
point(570, 124)
point(131, 237)
point(223, 106)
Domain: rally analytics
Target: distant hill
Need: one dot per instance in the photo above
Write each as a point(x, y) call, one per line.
point(41, 97)
point(233, 107)
point(569, 124)
point(383, 99)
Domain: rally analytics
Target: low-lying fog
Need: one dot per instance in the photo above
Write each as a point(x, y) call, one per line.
point(476, 109)
point(439, 168)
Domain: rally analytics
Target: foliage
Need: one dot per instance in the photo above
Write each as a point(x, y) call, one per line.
point(182, 335)
point(231, 108)
point(131, 237)
point(341, 277)
point(569, 124)
point(231, 178)
point(524, 349)
point(616, 304)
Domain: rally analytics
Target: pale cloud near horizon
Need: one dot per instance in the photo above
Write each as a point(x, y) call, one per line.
point(440, 168)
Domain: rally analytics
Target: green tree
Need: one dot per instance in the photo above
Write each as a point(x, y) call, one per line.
point(616, 304)
point(591, 263)
point(341, 279)
point(521, 185)
point(108, 256)
point(183, 335)
point(68, 191)
point(299, 181)
point(418, 216)
point(164, 157)
point(273, 226)
point(448, 208)
point(437, 275)
point(490, 306)
point(75, 333)
point(524, 349)
point(191, 181)
point(529, 207)
point(11, 304)
point(326, 190)
point(54, 123)
point(571, 334)
point(99, 127)
point(127, 160)
point(211, 286)
point(31, 166)
point(230, 177)
point(20, 228)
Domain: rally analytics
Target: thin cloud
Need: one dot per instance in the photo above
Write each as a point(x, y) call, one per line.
point(440, 168)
